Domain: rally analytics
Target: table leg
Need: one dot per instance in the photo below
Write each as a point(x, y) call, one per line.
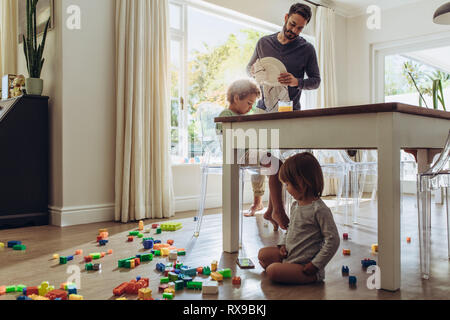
point(389, 256)
point(230, 206)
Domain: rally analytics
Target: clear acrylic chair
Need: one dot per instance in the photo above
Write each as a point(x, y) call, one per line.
point(212, 159)
point(437, 177)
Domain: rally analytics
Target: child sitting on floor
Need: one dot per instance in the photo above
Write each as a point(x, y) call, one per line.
point(312, 238)
point(242, 95)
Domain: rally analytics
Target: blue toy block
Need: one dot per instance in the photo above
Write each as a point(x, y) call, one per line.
point(23, 298)
point(177, 271)
point(367, 262)
point(160, 267)
point(57, 299)
point(148, 244)
point(157, 241)
point(24, 291)
point(192, 272)
point(345, 270)
point(69, 258)
point(102, 242)
point(13, 243)
point(352, 281)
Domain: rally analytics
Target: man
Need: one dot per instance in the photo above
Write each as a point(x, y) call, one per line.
point(299, 57)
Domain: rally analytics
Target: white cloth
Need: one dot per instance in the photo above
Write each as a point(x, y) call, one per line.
point(143, 185)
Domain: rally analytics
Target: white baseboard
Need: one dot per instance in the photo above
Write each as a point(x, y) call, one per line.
point(71, 216)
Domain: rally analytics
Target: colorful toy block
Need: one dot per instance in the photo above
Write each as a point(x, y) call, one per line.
point(368, 262)
point(75, 297)
point(173, 254)
point(179, 285)
point(158, 230)
point(194, 285)
point(62, 260)
point(87, 259)
point(171, 226)
point(44, 288)
point(13, 243)
point(57, 293)
point(19, 247)
point(168, 295)
point(148, 244)
point(145, 294)
point(210, 287)
point(236, 280)
point(408, 239)
point(78, 252)
point(345, 236)
point(214, 265)
point(154, 226)
point(345, 270)
point(164, 280)
point(352, 281)
point(216, 276)
point(103, 242)
point(374, 248)
point(170, 242)
point(162, 287)
point(141, 225)
point(346, 252)
point(206, 271)
point(226, 273)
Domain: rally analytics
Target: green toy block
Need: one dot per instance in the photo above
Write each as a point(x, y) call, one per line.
point(140, 235)
point(169, 265)
point(88, 266)
point(206, 271)
point(226, 273)
point(147, 257)
point(62, 260)
point(194, 285)
point(19, 247)
point(181, 253)
point(157, 252)
point(168, 295)
point(171, 226)
point(158, 230)
point(20, 287)
point(179, 285)
point(173, 276)
point(10, 289)
point(164, 280)
point(128, 264)
point(95, 256)
point(143, 239)
point(178, 265)
point(121, 263)
point(133, 233)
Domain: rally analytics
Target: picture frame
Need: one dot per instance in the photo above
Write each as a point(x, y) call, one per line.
point(44, 10)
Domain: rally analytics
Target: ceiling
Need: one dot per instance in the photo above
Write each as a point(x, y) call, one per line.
point(353, 8)
point(437, 57)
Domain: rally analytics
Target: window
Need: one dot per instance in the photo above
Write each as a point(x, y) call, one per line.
point(210, 48)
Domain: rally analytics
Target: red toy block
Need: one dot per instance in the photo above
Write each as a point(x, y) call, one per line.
point(162, 287)
point(346, 252)
point(154, 226)
point(130, 239)
point(57, 293)
point(132, 287)
point(236, 280)
point(119, 290)
point(87, 259)
point(99, 238)
point(170, 242)
point(200, 270)
point(32, 290)
point(345, 236)
point(137, 262)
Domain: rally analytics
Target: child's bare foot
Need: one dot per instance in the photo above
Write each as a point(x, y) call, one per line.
point(251, 212)
point(268, 217)
point(281, 218)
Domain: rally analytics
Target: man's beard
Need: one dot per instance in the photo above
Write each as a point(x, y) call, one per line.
point(288, 34)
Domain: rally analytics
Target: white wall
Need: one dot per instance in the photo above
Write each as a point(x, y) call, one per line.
point(397, 24)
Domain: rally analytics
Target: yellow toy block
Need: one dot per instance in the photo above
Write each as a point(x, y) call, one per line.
point(165, 251)
point(214, 266)
point(75, 297)
point(122, 298)
point(36, 297)
point(132, 264)
point(2, 245)
point(374, 248)
point(170, 290)
point(55, 256)
point(216, 276)
point(145, 293)
point(141, 225)
point(45, 288)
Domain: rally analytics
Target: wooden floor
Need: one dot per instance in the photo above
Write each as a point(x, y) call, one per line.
point(36, 265)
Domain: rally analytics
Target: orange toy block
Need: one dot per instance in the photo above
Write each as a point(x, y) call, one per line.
point(236, 280)
point(172, 248)
point(130, 239)
point(120, 289)
point(408, 240)
point(102, 230)
point(216, 276)
point(346, 252)
point(200, 270)
point(110, 251)
point(78, 252)
point(170, 242)
point(103, 254)
point(182, 249)
point(2, 290)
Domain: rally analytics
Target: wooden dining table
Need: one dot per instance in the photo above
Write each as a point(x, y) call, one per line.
point(386, 127)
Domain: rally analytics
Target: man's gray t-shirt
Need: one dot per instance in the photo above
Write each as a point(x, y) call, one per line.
point(299, 57)
point(312, 236)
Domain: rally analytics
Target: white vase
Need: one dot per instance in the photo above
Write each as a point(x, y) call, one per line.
point(34, 86)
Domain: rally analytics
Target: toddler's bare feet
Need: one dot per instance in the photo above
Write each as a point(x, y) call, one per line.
point(281, 218)
point(268, 217)
point(251, 212)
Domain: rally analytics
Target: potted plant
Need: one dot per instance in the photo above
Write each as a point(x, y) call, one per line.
point(34, 53)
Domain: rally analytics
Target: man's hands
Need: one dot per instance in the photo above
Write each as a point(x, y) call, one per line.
point(283, 252)
point(310, 269)
point(287, 79)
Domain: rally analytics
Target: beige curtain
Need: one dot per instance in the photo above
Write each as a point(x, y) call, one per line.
point(143, 185)
point(327, 92)
point(8, 37)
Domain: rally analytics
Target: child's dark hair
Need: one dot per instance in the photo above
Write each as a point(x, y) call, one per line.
point(301, 9)
point(242, 88)
point(303, 167)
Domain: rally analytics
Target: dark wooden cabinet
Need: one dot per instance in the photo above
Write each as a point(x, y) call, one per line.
point(24, 153)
